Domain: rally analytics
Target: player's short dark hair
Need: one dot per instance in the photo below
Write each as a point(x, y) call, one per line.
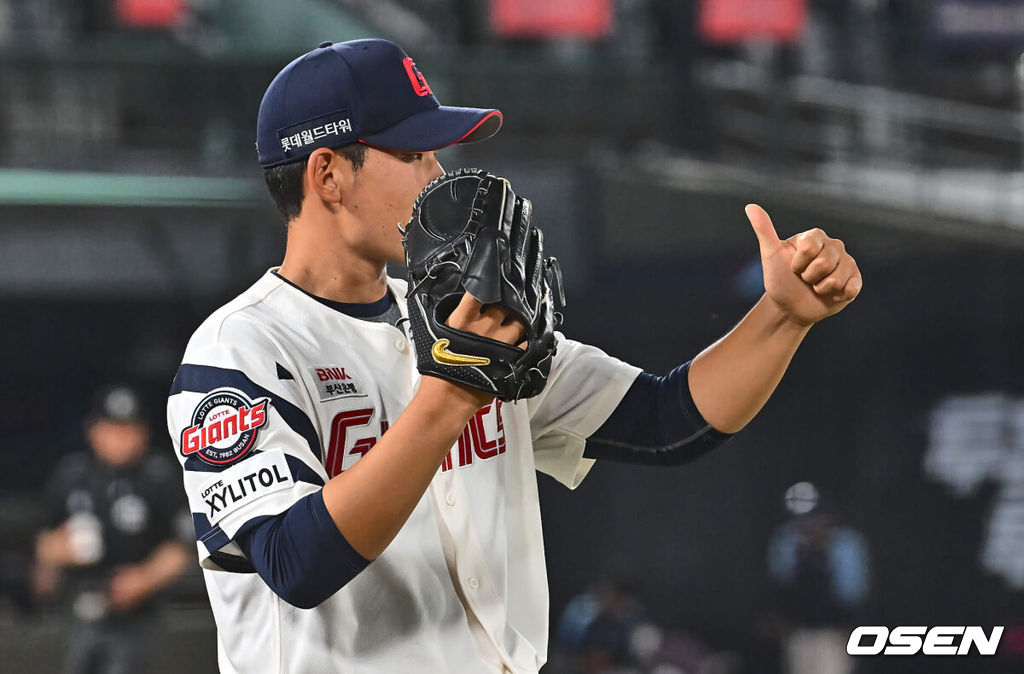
point(285, 181)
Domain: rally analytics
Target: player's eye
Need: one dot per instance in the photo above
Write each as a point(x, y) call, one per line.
point(412, 156)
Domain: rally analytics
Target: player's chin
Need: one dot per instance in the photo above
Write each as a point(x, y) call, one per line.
point(397, 256)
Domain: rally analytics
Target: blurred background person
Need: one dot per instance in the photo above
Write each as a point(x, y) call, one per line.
point(820, 571)
point(117, 533)
point(606, 630)
point(596, 629)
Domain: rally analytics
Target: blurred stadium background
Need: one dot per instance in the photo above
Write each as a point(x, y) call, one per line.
point(131, 205)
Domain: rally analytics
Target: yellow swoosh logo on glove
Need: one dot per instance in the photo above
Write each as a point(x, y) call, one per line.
point(442, 355)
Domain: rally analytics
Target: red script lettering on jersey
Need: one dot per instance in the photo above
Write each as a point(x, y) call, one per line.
point(475, 440)
point(340, 425)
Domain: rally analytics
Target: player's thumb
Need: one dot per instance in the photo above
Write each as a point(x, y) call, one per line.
point(767, 238)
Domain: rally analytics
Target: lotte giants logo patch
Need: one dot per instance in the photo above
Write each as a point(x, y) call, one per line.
point(224, 427)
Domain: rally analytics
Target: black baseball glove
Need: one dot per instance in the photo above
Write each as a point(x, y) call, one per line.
point(470, 233)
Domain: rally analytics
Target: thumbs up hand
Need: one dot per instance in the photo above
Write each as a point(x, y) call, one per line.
point(808, 276)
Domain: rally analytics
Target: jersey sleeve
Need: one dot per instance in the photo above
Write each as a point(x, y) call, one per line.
point(246, 443)
point(584, 387)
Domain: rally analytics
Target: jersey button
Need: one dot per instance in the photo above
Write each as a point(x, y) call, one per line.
point(449, 498)
point(401, 344)
point(473, 583)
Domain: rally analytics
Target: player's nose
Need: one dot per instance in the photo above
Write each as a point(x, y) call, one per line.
point(435, 166)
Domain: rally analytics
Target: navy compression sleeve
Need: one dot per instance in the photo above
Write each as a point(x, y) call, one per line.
point(656, 423)
point(300, 553)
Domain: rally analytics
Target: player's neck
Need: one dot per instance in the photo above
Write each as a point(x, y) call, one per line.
point(328, 268)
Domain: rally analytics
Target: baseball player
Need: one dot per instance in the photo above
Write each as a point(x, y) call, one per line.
point(364, 494)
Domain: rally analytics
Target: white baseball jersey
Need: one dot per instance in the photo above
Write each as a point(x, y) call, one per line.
point(277, 393)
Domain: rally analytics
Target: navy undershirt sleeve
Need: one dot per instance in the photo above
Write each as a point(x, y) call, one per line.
point(300, 553)
point(656, 423)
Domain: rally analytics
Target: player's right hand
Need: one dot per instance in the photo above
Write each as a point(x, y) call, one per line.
point(492, 321)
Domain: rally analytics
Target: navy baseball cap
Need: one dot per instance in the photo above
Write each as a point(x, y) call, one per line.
point(118, 403)
point(365, 91)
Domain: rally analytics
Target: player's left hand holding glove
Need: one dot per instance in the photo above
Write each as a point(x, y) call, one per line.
point(809, 276)
point(471, 234)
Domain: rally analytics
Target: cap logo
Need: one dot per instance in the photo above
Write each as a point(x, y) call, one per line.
point(419, 82)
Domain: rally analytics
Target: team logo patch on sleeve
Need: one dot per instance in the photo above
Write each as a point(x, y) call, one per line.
point(224, 427)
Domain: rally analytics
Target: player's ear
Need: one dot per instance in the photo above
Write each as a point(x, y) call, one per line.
point(326, 175)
